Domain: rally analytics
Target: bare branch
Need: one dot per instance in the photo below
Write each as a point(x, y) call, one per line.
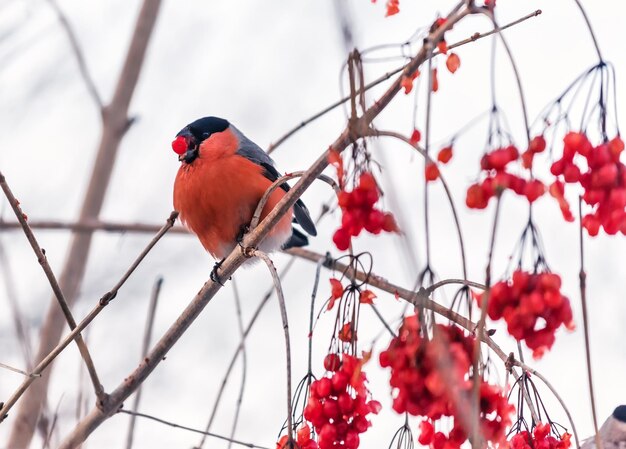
point(21, 332)
point(17, 370)
point(90, 225)
point(78, 54)
point(43, 261)
point(190, 429)
point(283, 315)
point(102, 303)
point(475, 37)
point(244, 361)
point(582, 277)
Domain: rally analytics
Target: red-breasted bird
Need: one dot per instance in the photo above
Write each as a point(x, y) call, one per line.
point(221, 179)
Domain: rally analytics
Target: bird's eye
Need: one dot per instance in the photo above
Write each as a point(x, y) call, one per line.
point(205, 135)
point(179, 145)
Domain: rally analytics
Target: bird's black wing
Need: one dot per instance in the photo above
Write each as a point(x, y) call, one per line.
point(253, 152)
point(300, 211)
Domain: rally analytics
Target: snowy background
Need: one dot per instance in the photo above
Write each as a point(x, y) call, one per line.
point(265, 66)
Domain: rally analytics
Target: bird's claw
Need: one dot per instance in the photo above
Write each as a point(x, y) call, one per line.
point(214, 276)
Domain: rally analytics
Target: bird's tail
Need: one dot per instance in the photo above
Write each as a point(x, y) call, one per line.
point(296, 240)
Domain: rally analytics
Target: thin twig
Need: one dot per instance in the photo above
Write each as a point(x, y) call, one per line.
point(244, 361)
point(582, 275)
point(239, 348)
point(480, 331)
point(17, 370)
point(473, 38)
point(190, 429)
point(276, 184)
point(590, 28)
point(78, 54)
point(145, 346)
point(43, 261)
point(283, 315)
point(430, 289)
point(446, 188)
point(102, 303)
point(537, 374)
point(89, 225)
point(21, 332)
point(516, 73)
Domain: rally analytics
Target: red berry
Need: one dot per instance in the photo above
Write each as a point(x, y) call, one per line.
point(431, 171)
point(179, 145)
point(341, 238)
point(534, 189)
point(323, 387)
point(375, 221)
point(416, 136)
point(332, 362)
point(537, 144)
point(445, 154)
point(339, 382)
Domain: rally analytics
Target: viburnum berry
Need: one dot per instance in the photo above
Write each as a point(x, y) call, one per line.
point(407, 81)
point(445, 154)
point(179, 145)
point(393, 7)
point(416, 136)
point(453, 62)
point(431, 171)
point(524, 299)
point(332, 362)
point(339, 404)
point(435, 80)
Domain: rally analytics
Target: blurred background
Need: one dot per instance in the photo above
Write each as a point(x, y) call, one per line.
point(266, 66)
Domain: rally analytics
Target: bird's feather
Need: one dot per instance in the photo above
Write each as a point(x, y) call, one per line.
point(254, 153)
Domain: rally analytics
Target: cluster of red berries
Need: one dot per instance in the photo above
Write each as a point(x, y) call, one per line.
point(420, 388)
point(338, 403)
point(358, 213)
point(604, 180)
point(497, 178)
point(526, 298)
point(540, 439)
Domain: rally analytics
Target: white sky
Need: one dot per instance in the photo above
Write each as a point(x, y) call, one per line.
point(265, 66)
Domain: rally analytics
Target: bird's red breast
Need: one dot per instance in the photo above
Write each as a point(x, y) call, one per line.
point(217, 193)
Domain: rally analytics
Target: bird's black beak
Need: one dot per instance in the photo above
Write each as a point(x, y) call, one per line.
point(189, 156)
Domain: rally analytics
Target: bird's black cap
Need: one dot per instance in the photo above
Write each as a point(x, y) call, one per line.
point(204, 127)
point(620, 413)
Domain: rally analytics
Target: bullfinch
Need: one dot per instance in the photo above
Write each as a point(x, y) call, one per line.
point(221, 179)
